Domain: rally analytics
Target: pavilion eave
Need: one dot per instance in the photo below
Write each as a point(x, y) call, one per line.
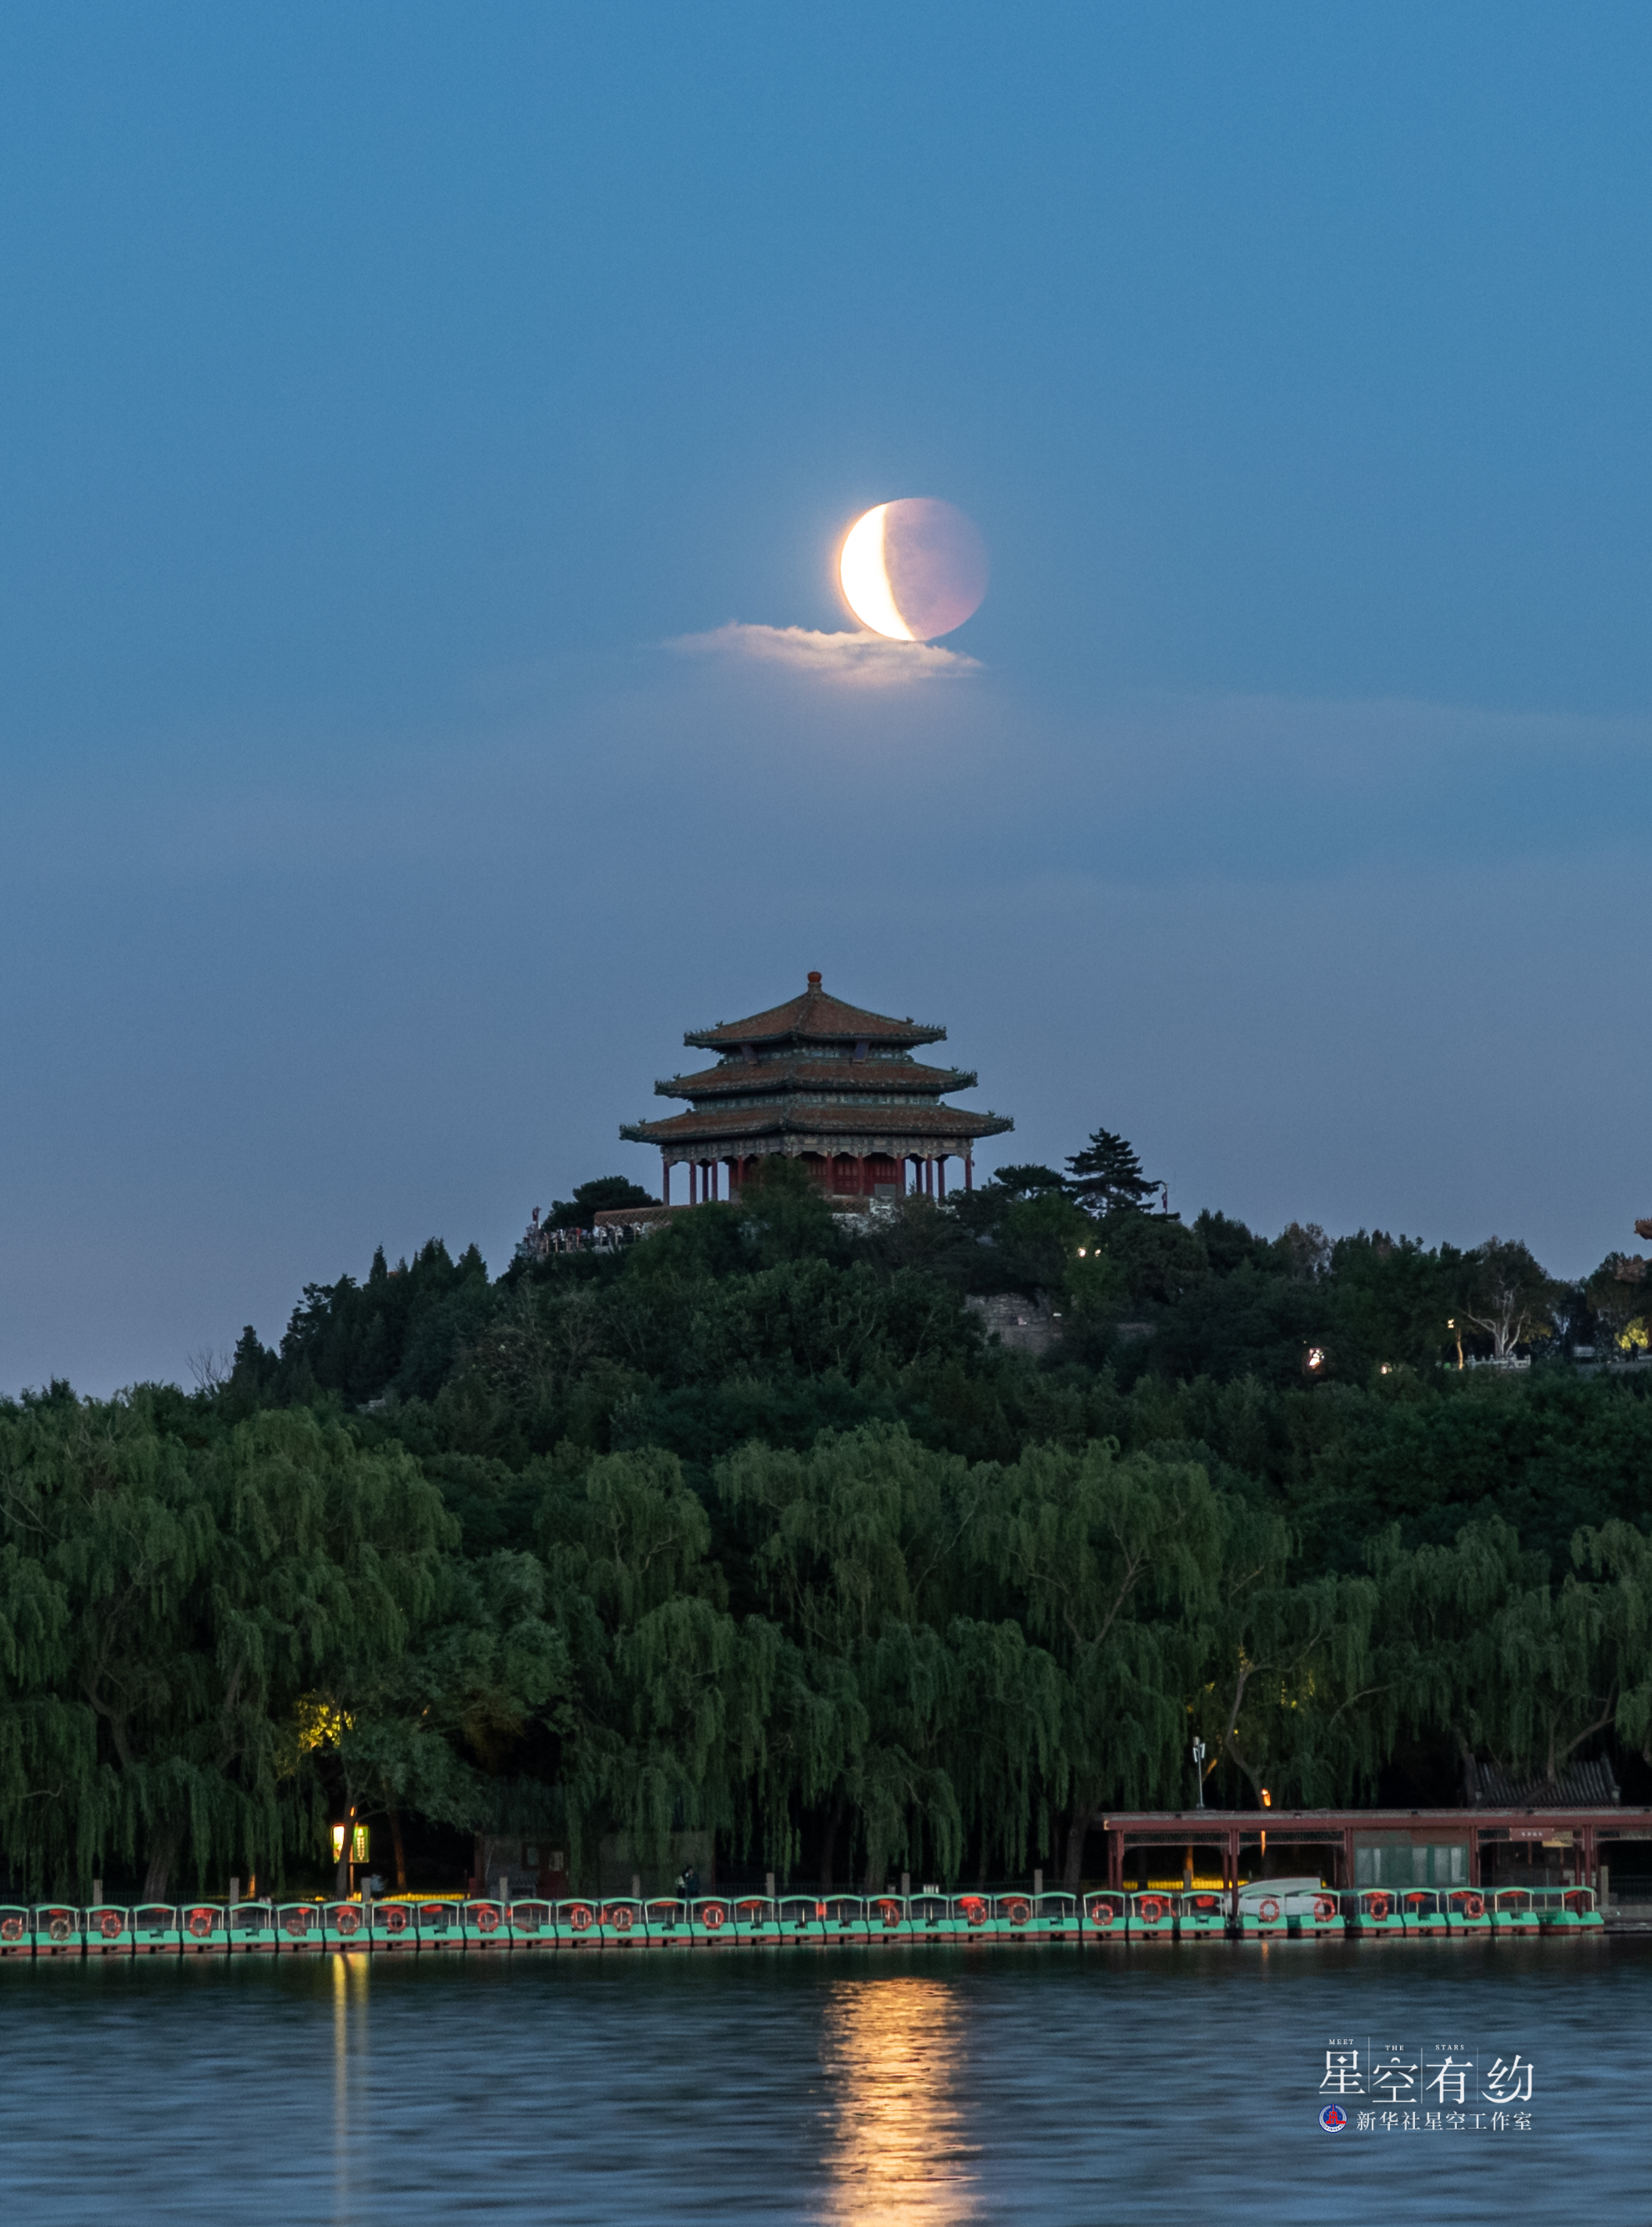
point(688, 1136)
point(816, 1078)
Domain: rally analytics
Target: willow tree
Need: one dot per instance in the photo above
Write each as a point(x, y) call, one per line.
point(439, 1727)
point(668, 1694)
point(1117, 1561)
point(185, 1596)
point(108, 1539)
point(1620, 1556)
point(853, 1549)
point(1006, 1753)
point(1511, 1665)
point(1292, 1701)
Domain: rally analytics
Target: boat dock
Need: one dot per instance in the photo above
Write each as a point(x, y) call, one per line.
point(1365, 1875)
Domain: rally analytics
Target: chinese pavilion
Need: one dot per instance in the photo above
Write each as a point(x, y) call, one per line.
point(826, 1083)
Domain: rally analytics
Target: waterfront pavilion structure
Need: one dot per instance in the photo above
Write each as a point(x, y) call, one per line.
point(828, 1083)
point(1553, 1842)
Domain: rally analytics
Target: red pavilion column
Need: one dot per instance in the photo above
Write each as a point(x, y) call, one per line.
point(969, 1171)
point(665, 1180)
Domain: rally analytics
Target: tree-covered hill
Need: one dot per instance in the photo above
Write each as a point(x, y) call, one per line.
point(750, 1527)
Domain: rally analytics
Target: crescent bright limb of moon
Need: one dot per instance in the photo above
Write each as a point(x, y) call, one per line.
point(865, 577)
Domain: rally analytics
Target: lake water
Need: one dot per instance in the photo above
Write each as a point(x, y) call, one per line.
point(914, 2088)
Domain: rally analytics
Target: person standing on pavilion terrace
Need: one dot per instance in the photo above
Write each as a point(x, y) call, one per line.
point(828, 1083)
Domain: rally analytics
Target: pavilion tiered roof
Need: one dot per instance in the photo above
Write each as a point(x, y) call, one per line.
point(815, 1018)
point(820, 1078)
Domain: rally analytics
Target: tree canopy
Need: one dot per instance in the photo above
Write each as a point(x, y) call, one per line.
point(754, 1532)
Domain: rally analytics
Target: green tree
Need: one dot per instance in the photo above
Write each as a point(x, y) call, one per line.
point(1617, 1296)
point(1117, 1560)
point(1620, 1556)
point(1506, 1294)
point(435, 1726)
point(1482, 1645)
point(602, 1195)
point(196, 1591)
point(1108, 1173)
point(1292, 1701)
point(668, 1695)
point(852, 1549)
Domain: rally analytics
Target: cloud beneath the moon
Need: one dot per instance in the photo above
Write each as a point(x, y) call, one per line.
point(859, 660)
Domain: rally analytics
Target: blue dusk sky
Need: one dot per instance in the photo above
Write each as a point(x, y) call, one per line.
point(425, 432)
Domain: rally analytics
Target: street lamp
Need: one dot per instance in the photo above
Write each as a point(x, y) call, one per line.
point(1199, 1770)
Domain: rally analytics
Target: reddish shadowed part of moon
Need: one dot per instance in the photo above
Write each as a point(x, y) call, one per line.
point(914, 568)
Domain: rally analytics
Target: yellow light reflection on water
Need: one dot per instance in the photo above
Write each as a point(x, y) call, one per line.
point(898, 2149)
point(349, 2048)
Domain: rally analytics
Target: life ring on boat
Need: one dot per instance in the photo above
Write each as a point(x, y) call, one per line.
point(395, 1919)
point(59, 1926)
point(1267, 1910)
point(1018, 1912)
point(712, 1915)
point(620, 1918)
point(579, 1916)
point(109, 1925)
point(1377, 1907)
point(1151, 1909)
point(1102, 1913)
point(487, 1919)
point(890, 1914)
point(1323, 1906)
point(347, 1921)
point(974, 1909)
point(1474, 1906)
point(11, 1929)
point(296, 1924)
point(200, 1923)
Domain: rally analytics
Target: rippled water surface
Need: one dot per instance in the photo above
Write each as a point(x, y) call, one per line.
point(902, 2087)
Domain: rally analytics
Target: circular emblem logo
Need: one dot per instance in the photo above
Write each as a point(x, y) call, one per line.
point(1333, 2118)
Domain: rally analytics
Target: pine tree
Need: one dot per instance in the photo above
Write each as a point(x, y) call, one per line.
point(1108, 1173)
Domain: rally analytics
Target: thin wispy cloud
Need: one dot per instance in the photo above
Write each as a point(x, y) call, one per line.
point(861, 659)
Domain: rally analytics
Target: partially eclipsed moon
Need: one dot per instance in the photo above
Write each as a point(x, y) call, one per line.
point(914, 568)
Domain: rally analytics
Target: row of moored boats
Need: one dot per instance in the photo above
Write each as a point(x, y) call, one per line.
point(1262, 1910)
